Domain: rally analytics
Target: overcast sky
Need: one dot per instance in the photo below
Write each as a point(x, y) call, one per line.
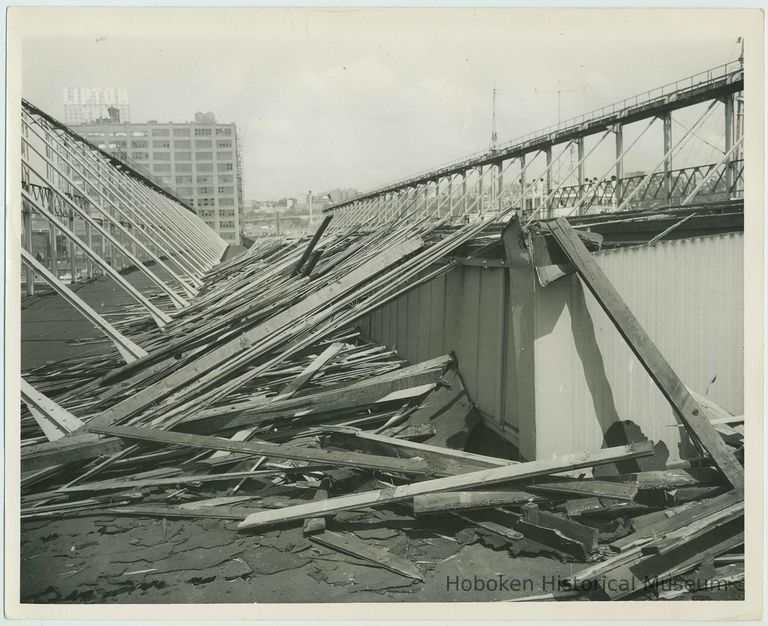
point(351, 98)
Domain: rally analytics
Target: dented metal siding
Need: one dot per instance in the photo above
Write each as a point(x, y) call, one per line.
point(688, 295)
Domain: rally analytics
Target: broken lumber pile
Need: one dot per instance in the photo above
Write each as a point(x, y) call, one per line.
point(263, 407)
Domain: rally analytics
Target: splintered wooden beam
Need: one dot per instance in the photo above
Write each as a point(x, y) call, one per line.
point(378, 557)
point(686, 407)
point(368, 461)
point(379, 497)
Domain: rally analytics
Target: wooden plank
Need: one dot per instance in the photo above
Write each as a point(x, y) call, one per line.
point(74, 447)
point(54, 420)
point(493, 527)
point(687, 515)
point(686, 407)
point(682, 556)
point(468, 500)
point(586, 488)
point(308, 372)
point(444, 461)
point(552, 538)
point(359, 394)
point(585, 535)
point(312, 243)
point(194, 370)
point(378, 557)
point(368, 461)
point(481, 478)
point(671, 478)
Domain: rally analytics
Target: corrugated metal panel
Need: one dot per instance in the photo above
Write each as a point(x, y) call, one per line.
point(688, 295)
point(462, 312)
point(547, 365)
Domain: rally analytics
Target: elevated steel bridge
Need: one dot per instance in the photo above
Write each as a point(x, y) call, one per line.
point(488, 183)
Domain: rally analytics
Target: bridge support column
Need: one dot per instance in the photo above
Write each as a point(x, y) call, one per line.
point(729, 136)
point(580, 170)
point(499, 184)
point(522, 185)
point(464, 192)
point(480, 189)
point(548, 175)
point(667, 119)
point(618, 129)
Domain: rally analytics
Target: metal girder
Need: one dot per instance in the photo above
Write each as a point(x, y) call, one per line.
point(160, 318)
point(127, 348)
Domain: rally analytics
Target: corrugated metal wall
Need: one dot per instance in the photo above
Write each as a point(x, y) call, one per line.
point(463, 311)
point(688, 295)
point(546, 366)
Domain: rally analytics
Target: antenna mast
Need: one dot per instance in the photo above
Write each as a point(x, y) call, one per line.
point(494, 136)
point(559, 91)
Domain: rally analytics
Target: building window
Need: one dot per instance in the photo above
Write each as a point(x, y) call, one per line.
point(226, 202)
point(206, 202)
point(183, 179)
point(180, 144)
point(209, 224)
point(203, 143)
point(225, 167)
point(224, 156)
point(183, 167)
point(182, 156)
point(204, 156)
point(225, 178)
point(139, 133)
point(223, 143)
point(202, 132)
point(140, 156)
point(161, 156)
point(138, 144)
point(161, 144)
point(181, 132)
point(204, 167)
point(184, 191)
point(227, 213)
point(226, 189)
point(161, 167)
point(227, 224)
point(226, 131)
point(204, 190)
point(160, 132)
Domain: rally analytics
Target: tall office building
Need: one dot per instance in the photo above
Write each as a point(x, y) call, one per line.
point(199, 161)
point(86, 105)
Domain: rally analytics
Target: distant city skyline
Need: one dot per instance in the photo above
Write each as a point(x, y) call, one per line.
point(348, 98)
